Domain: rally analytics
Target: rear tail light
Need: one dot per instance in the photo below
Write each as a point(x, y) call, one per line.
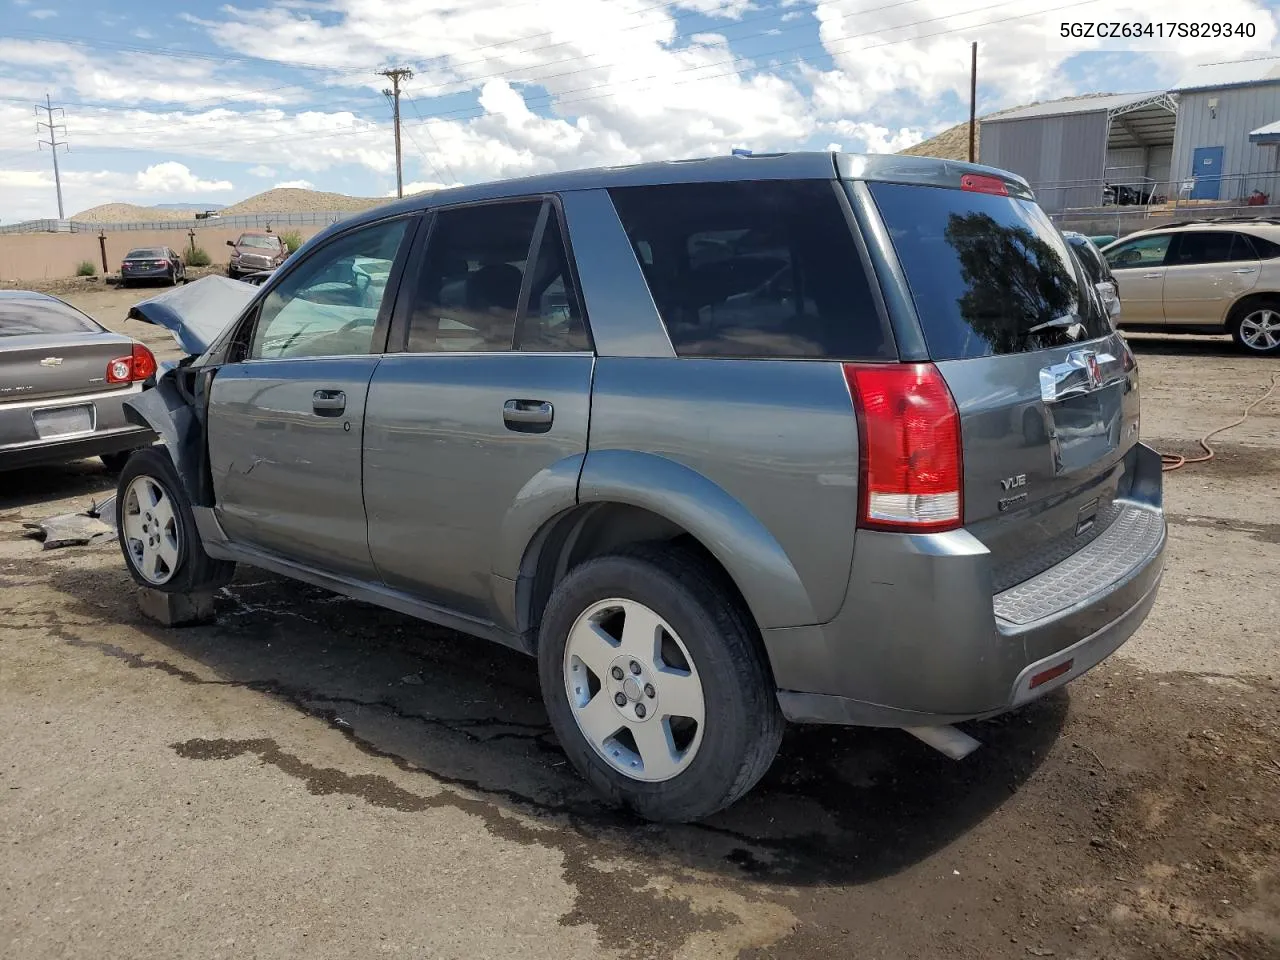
point(909, 432)
point(981, 183)
point(139, 365)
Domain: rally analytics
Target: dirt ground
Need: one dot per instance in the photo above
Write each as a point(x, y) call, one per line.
point(314, 777)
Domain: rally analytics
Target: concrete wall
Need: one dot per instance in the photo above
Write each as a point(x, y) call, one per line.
point(1051, 153)
point(1240, 109)
point(48, 256)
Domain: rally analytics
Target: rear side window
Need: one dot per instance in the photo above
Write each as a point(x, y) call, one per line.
point(764, 270)
point(1266, 249)
point(989, 274)
point(1209, 247)
point(19, 317)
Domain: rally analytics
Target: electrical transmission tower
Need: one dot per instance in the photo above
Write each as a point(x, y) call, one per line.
point(396, 75)
point(53, 143)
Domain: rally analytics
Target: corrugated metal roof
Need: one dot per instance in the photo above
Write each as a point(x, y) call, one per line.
point(1232, 74)
point(1086, 104)
point(1268, 134)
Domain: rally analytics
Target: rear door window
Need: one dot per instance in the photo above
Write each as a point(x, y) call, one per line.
point(1265, 249)
point(764, 269)
point(1220, 246)
point(989, 274)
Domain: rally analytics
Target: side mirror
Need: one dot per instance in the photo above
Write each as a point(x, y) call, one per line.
point(231, 243)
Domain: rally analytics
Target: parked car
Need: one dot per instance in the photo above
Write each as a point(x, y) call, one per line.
point(1102, 239)
point(813, 437)
point(1099, 271)
point(152, 263)
point(63, 382)
point(1203, 277)
point(255, 252)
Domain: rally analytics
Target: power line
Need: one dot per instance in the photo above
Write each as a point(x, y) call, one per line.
point(418, 113)
point(53, 143)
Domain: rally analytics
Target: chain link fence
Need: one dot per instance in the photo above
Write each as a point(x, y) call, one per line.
point(242, 221)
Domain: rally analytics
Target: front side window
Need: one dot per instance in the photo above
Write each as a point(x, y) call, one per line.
point(1142, 252)
point(468, 289)
point(1206, 247)
point(754, 269)
point(329, 305)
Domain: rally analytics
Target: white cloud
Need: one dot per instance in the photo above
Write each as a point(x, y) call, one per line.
point(295, 185)
point(174, 177)
point(42, 14)
point(261, 170)
point(873, 138)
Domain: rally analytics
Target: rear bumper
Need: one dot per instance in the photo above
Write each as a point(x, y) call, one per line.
point(145, 273)
point(22, 446)
point(922, 640)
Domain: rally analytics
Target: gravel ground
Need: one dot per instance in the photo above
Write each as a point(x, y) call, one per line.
point(314, 777)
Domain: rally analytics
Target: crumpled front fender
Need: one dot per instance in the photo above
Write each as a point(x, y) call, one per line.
point(167, 412)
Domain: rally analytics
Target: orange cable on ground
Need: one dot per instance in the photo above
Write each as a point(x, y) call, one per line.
point(1172, 461)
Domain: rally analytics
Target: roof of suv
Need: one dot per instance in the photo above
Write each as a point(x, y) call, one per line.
point(1259, 225)
point(811, 165)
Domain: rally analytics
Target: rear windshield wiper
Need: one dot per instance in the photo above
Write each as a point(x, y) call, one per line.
point(1069, 324)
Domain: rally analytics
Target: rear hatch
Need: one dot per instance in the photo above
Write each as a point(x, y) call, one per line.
point(1045, 388)
point(48, 350)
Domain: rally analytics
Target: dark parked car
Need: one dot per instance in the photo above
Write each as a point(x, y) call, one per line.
point(721, 443)
point(63, 382)
point(255, 252)
point(1099, 271)
point(152, 263)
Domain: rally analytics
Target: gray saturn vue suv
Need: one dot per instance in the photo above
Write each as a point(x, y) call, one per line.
point(723, 443)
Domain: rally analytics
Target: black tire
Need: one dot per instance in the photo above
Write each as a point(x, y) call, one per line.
point(194, 570)
point(115, 462)
point(1245, 312)
point(743, 724)
point(173, 278)
point(233, 274)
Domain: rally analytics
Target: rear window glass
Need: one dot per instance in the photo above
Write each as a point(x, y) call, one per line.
point(21, 317)
point(764, 269)
point(989, 274)
point(146, 253)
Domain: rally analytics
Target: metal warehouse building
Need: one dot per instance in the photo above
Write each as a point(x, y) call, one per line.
point(1068, 150)
point(1228, 130)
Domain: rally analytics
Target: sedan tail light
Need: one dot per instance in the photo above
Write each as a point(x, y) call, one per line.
point(139, 365)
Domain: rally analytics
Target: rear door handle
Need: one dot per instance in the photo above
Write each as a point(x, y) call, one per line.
point(1243, 270)
point(328, 403)
point(530, 416)
point(1152, 276)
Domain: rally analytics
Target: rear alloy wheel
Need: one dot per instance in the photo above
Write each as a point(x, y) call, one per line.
point(1258, 331)
point(656, 684)
point(157, 530)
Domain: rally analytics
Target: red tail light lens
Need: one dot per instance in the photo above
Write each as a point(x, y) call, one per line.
point(909, 430)
point(980, 183)
point(139, 365)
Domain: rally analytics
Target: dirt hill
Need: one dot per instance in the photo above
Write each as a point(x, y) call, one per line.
point(295, 200)
point(122, 212)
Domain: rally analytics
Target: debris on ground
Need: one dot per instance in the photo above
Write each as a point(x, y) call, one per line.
point(68, 530)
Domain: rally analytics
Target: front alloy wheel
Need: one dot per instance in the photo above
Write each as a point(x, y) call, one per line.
point(150, 529)
point(633, 690)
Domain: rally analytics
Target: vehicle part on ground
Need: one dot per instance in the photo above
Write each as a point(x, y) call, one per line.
point(157, 532)
point(688, 650)
point(68, 530)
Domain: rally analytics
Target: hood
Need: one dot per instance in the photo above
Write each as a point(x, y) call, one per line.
point(196, 312)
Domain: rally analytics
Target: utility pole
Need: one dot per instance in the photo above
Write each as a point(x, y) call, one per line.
point(53, 143)
point(396, 75)
point(973, 100)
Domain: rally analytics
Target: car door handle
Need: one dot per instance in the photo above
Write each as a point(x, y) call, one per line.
point(1152, 276)
point(532, 416)
point(328, 403)
point(1243, 270)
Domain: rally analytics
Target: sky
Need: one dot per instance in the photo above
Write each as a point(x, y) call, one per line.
point(193, 102)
